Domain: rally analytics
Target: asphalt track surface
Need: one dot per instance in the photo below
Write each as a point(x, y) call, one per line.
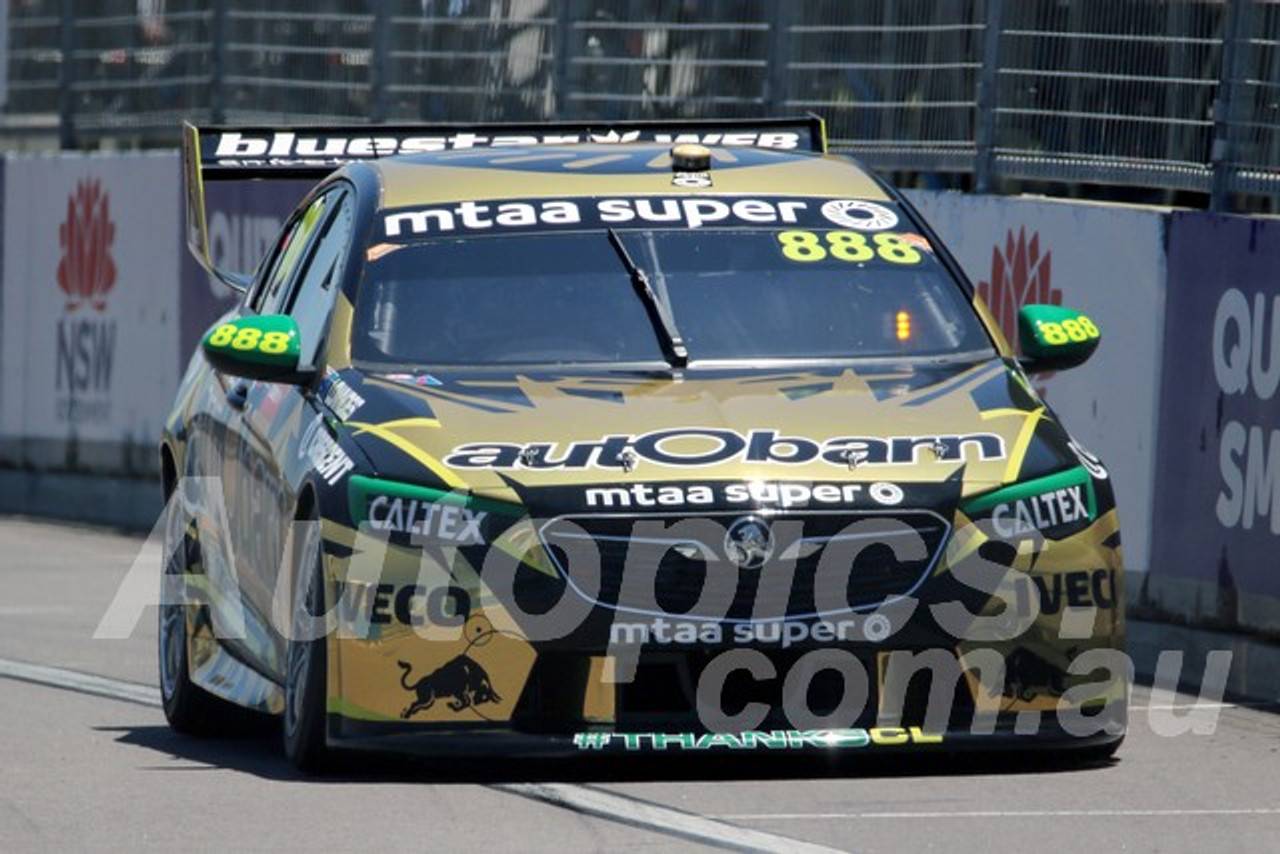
point(88, 764)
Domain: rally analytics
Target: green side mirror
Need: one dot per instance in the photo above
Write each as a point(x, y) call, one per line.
point(257, 347)
point(1055, 338)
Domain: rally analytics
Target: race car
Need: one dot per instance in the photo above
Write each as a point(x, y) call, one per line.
point(656, 437)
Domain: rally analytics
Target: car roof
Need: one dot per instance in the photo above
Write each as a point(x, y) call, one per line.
point(585, 170)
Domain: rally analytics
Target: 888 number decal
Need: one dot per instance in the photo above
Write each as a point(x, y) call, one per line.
point(1067, 331)
point(850, 246)
point(245, 338)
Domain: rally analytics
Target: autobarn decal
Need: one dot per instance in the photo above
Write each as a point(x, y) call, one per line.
point(691, 447)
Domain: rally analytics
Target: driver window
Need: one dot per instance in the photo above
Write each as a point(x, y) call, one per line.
point(320, 279)
point(289, 250)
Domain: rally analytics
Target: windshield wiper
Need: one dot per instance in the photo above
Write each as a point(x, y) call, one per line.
point(663, 323)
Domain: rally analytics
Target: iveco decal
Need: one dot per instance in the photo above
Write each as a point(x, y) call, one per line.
point(689, 447)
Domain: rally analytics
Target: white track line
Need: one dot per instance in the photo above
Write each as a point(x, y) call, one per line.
point(650, 816)
point(1135, 813)
point(85, 683)
point(581, 799)
point(1190, 707)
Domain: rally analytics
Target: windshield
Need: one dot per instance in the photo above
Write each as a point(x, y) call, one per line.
point(741, 294)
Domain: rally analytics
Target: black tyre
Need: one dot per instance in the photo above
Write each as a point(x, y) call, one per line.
point(190, 709)
point(305, 742)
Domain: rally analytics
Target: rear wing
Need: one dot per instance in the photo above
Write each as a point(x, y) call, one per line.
point(238, 153)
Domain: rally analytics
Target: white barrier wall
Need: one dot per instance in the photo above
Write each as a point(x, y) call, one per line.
point(90, 307)
point(90, 325)
point(1108, 262)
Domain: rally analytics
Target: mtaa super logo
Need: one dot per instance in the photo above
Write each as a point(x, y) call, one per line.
point(86, 275)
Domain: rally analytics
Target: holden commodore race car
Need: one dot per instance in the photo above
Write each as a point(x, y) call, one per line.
point(656, 437)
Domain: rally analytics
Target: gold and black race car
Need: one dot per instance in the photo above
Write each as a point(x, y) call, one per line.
point(649, 437)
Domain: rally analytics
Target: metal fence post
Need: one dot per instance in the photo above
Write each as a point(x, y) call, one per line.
point(988, 99)
point(560, 62)
point(66, 76)
point(778, 80)
point(1222, 151)
point(380, 61)
point(218, 35)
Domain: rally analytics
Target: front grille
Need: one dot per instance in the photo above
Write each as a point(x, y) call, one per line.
point(787, 565)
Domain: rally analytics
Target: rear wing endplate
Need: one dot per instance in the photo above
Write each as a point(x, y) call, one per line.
point(197, 225)
point(214, 153)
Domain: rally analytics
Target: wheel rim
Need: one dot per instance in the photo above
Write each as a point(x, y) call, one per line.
point(173, 617)
point(295, 690)
point(173, 630)
point(301, 651)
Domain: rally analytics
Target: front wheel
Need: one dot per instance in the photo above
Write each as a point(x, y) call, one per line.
point(305, 742)
point(188, 708)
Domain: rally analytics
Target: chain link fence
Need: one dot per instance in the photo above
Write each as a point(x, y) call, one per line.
point(1171, 101)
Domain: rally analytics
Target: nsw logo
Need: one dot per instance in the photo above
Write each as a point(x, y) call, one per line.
point(87, 272)
point(86, 275)
point(1020, 275)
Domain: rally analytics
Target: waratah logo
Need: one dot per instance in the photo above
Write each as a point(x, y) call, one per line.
point(1019, 276)
point(86, 272)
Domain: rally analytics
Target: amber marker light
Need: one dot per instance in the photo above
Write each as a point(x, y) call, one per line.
point(903, 325)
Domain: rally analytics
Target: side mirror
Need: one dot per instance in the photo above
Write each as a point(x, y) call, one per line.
point(1054, 338)
point(256, 347)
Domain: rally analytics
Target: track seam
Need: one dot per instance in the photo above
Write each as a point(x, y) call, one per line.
point(83, 683)
point(586, 800)
point(589, 800)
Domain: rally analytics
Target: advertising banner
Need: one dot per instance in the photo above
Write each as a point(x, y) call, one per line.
point(1108, 262)
point(244, 218)
point(8, 384)
point(90, 301)
point(1218, 482)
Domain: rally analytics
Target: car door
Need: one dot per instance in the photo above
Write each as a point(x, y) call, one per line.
point(257, 424)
